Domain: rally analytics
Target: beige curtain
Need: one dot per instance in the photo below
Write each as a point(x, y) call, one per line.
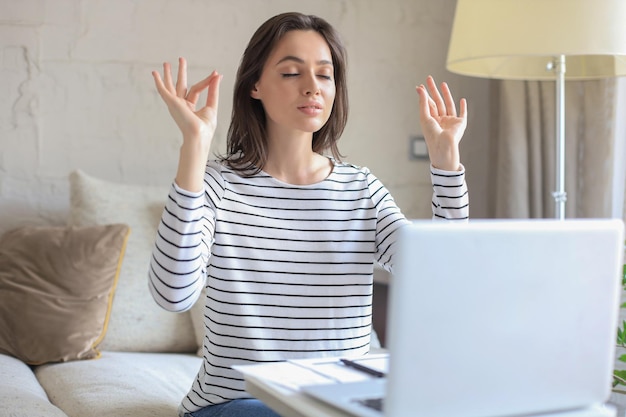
point(523, 154)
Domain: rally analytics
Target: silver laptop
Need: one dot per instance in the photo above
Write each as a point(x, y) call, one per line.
point(498, 318)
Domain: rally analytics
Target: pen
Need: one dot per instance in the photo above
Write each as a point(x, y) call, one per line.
point(363, 368)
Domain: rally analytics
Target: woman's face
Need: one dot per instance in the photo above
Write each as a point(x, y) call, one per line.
point(297, 87)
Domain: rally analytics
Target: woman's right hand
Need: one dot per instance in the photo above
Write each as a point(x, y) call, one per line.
point(195, 125)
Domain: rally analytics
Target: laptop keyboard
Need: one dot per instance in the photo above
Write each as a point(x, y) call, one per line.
point(375, 403)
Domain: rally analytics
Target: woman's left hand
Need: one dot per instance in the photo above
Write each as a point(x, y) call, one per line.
point(441, 126)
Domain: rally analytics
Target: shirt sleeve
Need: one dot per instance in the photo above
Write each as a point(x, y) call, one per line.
point(389, 219)
point(450, 195)
point(182, 245)
point(449, 202)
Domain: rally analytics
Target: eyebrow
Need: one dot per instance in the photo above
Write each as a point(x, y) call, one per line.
point(301, 61)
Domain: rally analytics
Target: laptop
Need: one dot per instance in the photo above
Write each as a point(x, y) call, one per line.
point(498, 318)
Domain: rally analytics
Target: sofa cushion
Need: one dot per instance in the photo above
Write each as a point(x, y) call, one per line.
point(137, 323)
point(20, 392)
point(56, 286)
point(121, 384)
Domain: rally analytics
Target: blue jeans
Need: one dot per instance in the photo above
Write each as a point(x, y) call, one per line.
point(244, 407)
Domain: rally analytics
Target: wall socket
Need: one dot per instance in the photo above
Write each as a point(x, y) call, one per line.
point(417, 148)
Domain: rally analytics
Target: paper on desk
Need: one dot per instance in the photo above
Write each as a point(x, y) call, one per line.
point(285, 374)
point(297, 373)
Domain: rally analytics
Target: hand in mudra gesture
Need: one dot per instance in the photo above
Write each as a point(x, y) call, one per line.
point(442, 127)
point(195, 124)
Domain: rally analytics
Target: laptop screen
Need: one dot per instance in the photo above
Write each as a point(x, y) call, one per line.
point(503, 316)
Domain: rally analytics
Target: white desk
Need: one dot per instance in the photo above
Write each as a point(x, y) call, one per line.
point(277, 384)
point(289, 403)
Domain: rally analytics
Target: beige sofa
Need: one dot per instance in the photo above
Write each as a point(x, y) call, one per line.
point(80, 335)
point(105, 352)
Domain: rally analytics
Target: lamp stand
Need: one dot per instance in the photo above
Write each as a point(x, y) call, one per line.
point(560, 196)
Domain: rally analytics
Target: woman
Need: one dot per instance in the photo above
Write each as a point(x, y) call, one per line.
point(283, 237)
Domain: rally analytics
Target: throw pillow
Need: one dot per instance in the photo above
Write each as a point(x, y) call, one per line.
point(56, 289)
point(137, 323)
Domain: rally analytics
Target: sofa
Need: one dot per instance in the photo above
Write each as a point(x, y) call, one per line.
point(79, 332)
point(80, 335)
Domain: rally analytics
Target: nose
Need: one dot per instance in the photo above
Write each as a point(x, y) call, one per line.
point(310, 85)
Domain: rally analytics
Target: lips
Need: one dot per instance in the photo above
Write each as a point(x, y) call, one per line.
point(313, 106)
point(311, 109)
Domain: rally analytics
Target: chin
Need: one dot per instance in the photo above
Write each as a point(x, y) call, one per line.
point(315, 127)
point(310, 129)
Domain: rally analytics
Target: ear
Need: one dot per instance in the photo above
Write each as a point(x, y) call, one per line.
point(255, 93)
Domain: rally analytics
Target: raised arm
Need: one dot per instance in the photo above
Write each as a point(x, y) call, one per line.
point(196, 125)
point(181, 249)
point(443, 130)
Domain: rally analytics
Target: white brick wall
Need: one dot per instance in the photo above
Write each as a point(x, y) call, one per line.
point(76, 89)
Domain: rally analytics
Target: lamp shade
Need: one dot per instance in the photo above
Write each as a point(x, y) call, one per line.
point(516, 39)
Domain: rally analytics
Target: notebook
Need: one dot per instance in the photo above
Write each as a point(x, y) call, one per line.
point(498, 318)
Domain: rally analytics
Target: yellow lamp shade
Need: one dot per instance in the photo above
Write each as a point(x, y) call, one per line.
point(516, 39)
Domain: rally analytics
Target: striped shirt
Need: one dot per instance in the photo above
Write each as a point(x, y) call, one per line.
point(287, 269)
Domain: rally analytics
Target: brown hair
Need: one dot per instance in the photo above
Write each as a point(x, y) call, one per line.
point(246, 141)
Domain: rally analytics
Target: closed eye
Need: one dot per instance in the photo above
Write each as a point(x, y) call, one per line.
point(291, 75)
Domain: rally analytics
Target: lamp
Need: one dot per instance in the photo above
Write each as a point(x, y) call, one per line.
point(540, 40)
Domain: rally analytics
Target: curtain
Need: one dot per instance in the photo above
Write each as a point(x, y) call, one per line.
point(523, 149)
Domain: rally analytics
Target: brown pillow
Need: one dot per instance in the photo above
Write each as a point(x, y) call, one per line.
point(56, 290)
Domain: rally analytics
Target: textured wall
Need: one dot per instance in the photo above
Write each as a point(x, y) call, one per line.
point(76, 90)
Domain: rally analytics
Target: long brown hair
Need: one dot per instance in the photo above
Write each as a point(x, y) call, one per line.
point(247, 141)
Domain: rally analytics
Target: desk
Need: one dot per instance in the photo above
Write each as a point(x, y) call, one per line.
point(278, 384)
point(289, 403)
point(294, 404)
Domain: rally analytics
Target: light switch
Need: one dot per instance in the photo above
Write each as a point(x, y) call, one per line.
point(417, 148)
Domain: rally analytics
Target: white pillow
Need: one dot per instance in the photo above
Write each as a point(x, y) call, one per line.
point(137, 323)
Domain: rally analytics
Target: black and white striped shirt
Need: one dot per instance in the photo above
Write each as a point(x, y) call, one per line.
point(288, 267)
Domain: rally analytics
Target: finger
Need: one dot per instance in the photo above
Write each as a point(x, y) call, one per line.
point(167, 75)
point(449, 101)
point(432, 107)
point(196, 89)
point(428, 108)
point(181, 80)
point(434, 93)
point(424, 99)
point(463, 113)
point(159, 83)
point(213, 96)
